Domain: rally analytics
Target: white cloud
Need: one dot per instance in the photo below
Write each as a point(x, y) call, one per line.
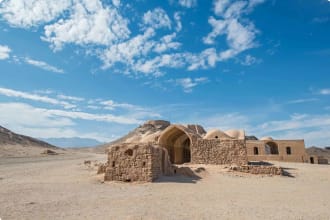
point(43, 65)
point(299, 101)
point(296, 121)
point(111, 105)
point(128, 51)
point(157, 18)
point(20, 114)
point(28, 13)
point(89, 23)
point(167, 43)
point(70, 98)
point(250, 60)
point(240, 32)
point(188, 3)
point(4, 52)
point(41, 123)
point(34, 97)
point(116, 3)
point(177, 18)
point(189, 83)
point(325, 91)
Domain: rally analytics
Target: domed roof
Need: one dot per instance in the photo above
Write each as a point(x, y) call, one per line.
point(266, 139)
point(215, 134)
point(237, 134)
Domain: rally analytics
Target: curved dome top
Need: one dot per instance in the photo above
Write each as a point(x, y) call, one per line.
point(215, 134)
point(266, 139)
point(237, 134)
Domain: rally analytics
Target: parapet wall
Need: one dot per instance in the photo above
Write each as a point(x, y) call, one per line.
point(215, 151)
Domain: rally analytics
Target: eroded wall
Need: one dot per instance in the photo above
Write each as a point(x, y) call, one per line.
point(139, 162)
point(215, 151)
point(298, 152)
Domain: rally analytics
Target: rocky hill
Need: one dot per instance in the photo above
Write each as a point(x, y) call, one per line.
point(12, 144)
point(324, 152)
point(147, 132)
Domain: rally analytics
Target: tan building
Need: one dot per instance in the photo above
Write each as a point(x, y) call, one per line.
point(278, 150)
point(179, 144)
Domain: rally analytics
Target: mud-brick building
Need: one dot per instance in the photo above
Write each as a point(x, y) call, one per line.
point(179, 144)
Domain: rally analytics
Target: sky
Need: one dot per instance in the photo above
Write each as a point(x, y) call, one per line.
point(98, 69)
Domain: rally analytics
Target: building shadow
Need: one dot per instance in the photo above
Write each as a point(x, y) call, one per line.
point(183, 175)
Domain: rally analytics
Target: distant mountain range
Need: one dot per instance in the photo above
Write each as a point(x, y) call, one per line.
point(73, 142)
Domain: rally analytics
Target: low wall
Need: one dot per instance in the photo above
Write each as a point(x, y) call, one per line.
point(264, 170)
point(215, 151)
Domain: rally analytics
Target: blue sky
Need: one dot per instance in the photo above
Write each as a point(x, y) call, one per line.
point(97, 69)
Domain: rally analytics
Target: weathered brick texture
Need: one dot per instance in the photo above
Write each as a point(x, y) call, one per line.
point(216, 151)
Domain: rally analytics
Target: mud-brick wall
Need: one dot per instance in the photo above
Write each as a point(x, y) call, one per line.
point(130, 163)
point(219, 152)
point(135, 162)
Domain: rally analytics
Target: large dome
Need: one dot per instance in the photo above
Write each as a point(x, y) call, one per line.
point(266, 139)
point(236, 134)
point(216, 134)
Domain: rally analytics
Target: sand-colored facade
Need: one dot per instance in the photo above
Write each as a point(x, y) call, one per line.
point(277, 150)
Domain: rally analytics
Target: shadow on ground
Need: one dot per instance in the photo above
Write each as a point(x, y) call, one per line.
point(183, 175)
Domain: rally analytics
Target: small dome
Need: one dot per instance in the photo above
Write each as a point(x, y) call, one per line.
point(216, 134)
point(266, 139)
point(237, 134)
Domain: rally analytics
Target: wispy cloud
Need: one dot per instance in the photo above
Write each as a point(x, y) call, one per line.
point(157, 18)
point(189, 83)
point(4, 52)
point(70, 98)
point(43, 65)
point(188, 3)
point(42, 123)
point(325, 91)
point(300, 101)
point(35, 97)
point(240, 36)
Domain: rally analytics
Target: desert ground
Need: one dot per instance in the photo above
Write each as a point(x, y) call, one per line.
point(63, 187)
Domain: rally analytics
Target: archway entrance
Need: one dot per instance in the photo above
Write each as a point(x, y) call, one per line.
point(177, 143)
point(271, 148)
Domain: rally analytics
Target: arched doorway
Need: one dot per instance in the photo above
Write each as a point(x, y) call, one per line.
point(177, 142)
point(271, 148)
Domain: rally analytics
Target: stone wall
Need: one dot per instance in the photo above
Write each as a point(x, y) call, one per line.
point(257, 169)
point(136, 162)
point(215, 151)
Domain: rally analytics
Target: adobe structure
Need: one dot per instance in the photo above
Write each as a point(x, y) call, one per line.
point(179, 144)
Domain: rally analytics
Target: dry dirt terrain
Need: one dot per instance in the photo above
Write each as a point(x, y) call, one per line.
point(63, 187)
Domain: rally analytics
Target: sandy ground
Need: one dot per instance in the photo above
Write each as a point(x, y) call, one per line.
point(62, 187)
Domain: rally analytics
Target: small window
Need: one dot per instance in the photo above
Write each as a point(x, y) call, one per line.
point(144, 164)
point(288, 150)
point(256, 151)
point(113, 163)
point(216, 137)
point(129, 152)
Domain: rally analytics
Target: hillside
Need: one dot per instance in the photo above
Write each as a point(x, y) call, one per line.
point(324, 152)
point(16, 145)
